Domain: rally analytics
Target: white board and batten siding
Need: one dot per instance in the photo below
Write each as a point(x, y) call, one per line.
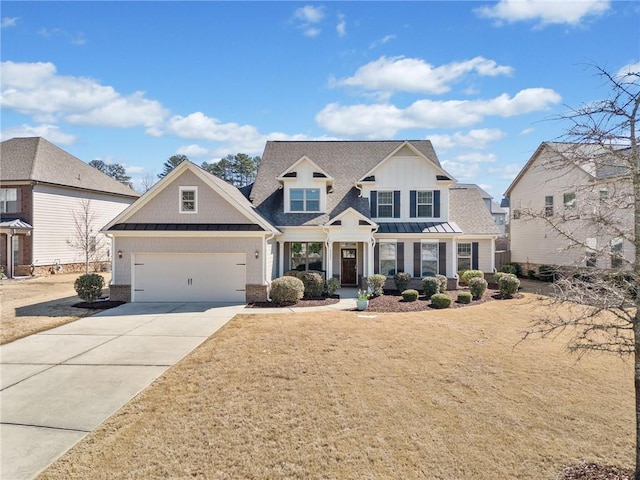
point(54, 223)
point(188, 277)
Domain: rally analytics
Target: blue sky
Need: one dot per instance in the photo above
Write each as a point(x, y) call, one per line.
point(136, 82)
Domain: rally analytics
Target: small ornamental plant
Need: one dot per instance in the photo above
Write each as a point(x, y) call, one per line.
point(464, 297)
point(89, 286)
point(430, 286)
point(410, 295)
point(443, 283)
point(376, 284)
point(508, 286)
point(401, 280)
point(469, 274)
point(363, 295)
point(287, 290)
point(477, 287)
point(440, 300)
point(332, 286)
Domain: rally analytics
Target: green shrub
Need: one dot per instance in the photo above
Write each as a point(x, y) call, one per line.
point(464, 297)
point(332, 286)
point(430, 286)
point(477, 287)
point(440, 300)
point(547, 273)
point(402, 281)
point(532, 274)
point(89, 286)
point(376, 284)
point(313, 284)
point(508, 286)
point(293, 273)
point(287, 289)
point(512, 267)
point(469, 274)
point(410, 295)
point(443, 282)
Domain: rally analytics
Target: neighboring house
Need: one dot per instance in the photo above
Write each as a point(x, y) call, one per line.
point(42, 193)
point(545, 199)
point(346, 208)
point(498, 213)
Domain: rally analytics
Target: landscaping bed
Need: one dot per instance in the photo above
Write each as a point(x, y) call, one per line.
point(315, 302)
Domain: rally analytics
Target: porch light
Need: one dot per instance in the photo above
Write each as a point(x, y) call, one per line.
point(119, 253)
point(257, 254)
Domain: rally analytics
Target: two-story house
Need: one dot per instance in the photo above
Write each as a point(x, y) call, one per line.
point(346, 208)
point(571, 207)
point(42, 190)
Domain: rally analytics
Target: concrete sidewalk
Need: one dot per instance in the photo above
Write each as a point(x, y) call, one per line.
point(59, 385)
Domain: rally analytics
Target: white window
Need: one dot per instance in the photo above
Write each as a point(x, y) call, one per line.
point(385, 204)
point(429, 259)
point(604, 195)
point(188, 199)
point(387, 258)
point(548, 206)
point(424, 203)
point(464, 257)
point(304, 199)
point(591, 255)
point(9, 200)
point(569, 200)
point(616, 252)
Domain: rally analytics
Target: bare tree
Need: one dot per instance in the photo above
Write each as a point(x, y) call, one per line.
point(87, 238)
point(147, 182)
point(598, 302)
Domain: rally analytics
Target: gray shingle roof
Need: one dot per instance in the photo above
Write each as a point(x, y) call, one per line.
point(468, 210)
point(346, 161)
point(36, 159)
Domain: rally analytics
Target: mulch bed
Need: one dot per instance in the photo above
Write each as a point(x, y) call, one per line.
point(98, 304)
point(318, 302)
point(593, 471)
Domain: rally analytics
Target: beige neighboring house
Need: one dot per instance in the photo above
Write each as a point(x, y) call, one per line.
point(348, 209)
point(42, 192)
point(545, 199)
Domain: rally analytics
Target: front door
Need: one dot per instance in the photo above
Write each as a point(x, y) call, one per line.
point(349, 265)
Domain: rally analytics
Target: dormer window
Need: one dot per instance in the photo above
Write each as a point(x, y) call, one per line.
point(188, 199)
point(304, 199)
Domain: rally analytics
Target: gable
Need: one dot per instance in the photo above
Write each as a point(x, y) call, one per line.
point(212, 207)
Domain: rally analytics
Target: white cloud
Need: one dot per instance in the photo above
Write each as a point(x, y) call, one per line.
point(382, 41)
point(544, 11)
point(36, 90)
point(505, 172)
point(341, 27)
point(133, 170)
point(385, 120)
point(462, 171)
point(476, 157)
point(8, 22)
point(308, 17)
point(473, 139)
point(416, 75)
point(630, 68)
point(527, 131)
point(192, 150)
point(50, 132)
point(76, 38)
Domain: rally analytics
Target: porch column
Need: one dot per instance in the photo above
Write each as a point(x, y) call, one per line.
point(280, 259)
point(9, 256)
point(452, 257)
point(329, 264)
point(370, 258)
point(365, 259)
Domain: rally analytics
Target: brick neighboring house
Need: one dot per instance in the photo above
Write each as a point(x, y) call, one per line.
point(346, 208)
point(590, 183)
point(41, 188)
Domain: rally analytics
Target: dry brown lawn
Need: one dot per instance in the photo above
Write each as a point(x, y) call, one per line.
point(438, 395)
point(32, 305)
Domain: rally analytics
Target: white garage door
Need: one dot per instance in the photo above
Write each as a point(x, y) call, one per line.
point(170, 277)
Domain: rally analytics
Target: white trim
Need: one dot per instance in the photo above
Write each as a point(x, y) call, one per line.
point(304, 158)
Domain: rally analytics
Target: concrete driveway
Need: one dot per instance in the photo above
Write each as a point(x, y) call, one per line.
point(59, 385)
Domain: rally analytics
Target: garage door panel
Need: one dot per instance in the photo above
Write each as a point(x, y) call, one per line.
point(189, 277)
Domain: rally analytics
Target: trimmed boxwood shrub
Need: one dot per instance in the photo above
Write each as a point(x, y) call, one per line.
point(402, 281)
point(287, 289)
point(331, 286)
point(469, 274)
point(430, 286)
point(443, 282)
point(440, 300)
point(512, 267)
point(465, 297)
point(89, 286)
point(508, 286)
point(410, 295)
point(477, 287)
point(313, 284)
point(547, 273)
point(376, 284)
